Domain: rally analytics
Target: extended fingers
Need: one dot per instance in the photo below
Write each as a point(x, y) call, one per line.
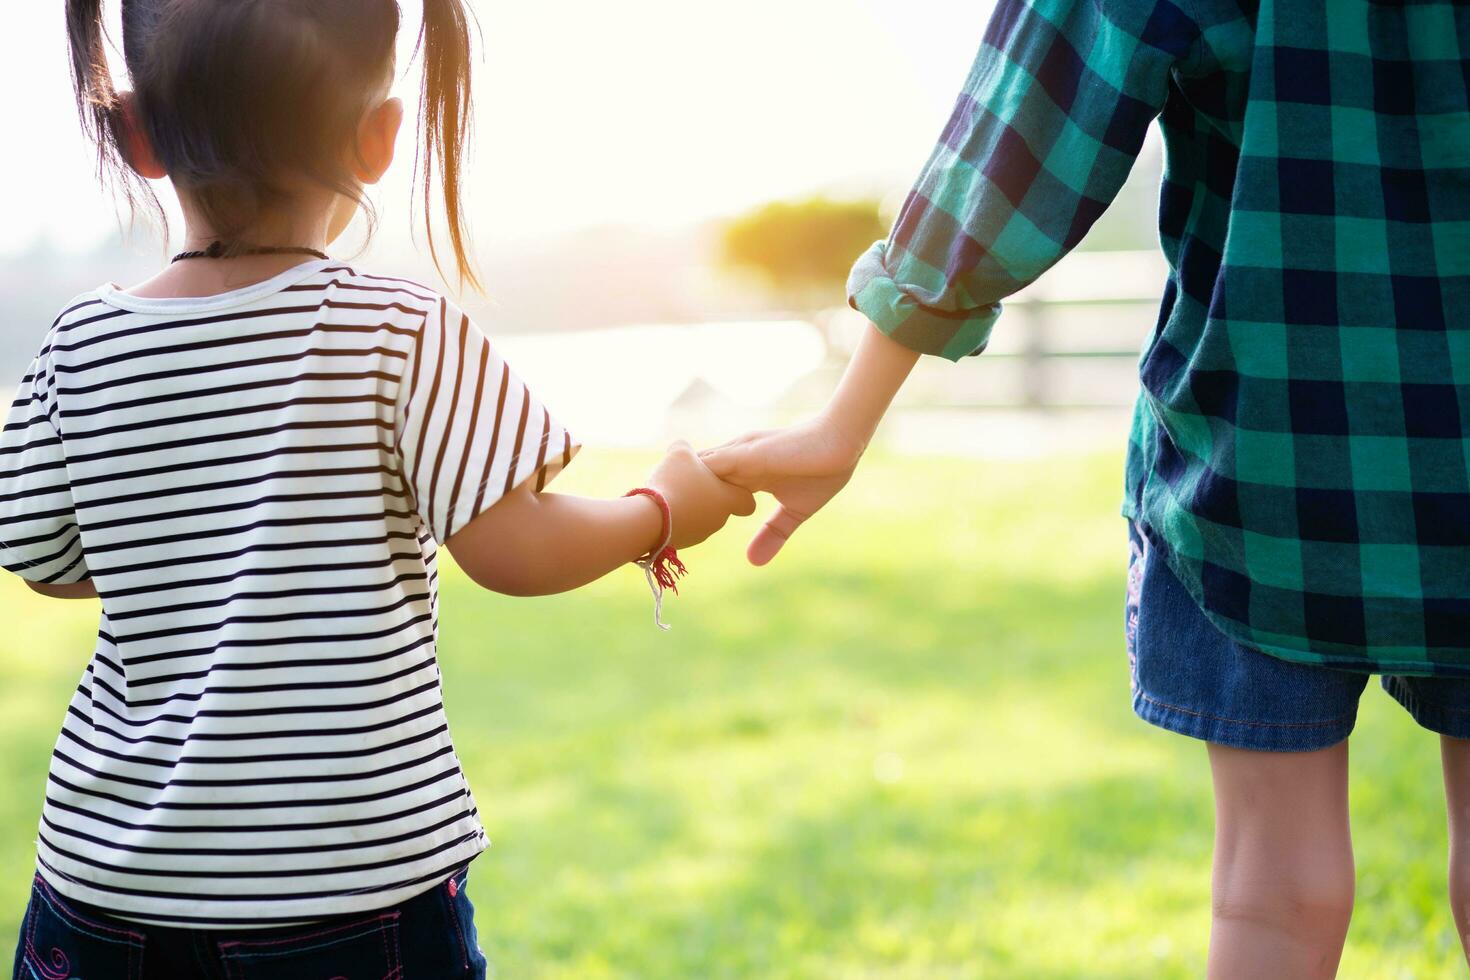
point(771, 538)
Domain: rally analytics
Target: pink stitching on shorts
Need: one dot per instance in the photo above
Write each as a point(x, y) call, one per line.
point(378, 920)
point(394, 957)
point(72, 913)
point(73, 920)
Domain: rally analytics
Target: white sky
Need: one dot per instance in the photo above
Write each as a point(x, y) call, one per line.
point(645, 112)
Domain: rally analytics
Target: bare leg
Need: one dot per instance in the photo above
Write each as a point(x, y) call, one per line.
point(1283, 880)
point(1455, 754)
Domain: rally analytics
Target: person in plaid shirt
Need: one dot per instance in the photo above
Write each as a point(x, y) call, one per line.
point(1297, 481)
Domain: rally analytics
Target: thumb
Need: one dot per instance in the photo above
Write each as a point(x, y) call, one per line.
point(733, 465)
point(738, 501)
point(773, 536)
point(741, 503)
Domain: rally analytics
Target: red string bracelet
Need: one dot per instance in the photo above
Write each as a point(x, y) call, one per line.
point(661, 566)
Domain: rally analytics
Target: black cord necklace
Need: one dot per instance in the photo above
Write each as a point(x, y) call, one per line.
point(216, 250)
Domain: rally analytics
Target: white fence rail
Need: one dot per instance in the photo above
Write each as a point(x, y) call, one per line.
point(1078, 288)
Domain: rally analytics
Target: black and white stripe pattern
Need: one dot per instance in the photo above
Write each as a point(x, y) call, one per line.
point(255, 483)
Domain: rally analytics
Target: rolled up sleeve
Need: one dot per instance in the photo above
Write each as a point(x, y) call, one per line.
point(914, 317)
point(1050, 121)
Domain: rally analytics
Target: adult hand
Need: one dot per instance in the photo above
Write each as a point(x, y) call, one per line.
point(803, 467)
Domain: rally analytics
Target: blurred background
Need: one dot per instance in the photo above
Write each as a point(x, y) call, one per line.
point(905, 750)
point(681, 189)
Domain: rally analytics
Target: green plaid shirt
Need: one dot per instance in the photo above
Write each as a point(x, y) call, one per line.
point(1299, 448)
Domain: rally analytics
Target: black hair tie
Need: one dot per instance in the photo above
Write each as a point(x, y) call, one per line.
point(216, 250)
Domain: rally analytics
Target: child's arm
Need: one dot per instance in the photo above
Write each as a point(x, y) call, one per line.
point(533, 543)
point(475, 447)
point(77, 590)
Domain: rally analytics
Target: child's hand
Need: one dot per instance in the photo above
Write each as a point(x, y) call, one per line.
point(700, 501)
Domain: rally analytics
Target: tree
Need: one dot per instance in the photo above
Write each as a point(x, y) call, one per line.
point(804, 249)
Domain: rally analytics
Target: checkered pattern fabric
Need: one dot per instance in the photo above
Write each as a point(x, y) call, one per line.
point(1299, 448)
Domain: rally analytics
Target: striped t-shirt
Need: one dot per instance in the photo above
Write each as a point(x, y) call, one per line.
point(255, 483)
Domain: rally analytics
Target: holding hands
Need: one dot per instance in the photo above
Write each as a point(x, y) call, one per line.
point(805, 466)
point(533, 543)
point(700, 501)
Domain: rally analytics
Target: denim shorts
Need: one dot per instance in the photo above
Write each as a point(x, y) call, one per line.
point(431, 935)
point(1190, 678)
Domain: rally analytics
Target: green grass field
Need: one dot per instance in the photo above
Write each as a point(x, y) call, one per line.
point(904, 750)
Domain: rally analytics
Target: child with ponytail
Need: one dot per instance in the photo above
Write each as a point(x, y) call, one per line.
point(251, 459)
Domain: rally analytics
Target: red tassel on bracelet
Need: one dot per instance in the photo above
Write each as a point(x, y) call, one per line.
point(661, 566)
point(668, 569)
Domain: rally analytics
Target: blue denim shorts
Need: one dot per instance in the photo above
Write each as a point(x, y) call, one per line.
point(1190, 678)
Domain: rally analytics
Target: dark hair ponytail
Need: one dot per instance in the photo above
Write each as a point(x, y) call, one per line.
point(444, 121)
point(97, 102)
point(96, 98)
point(239, 99)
